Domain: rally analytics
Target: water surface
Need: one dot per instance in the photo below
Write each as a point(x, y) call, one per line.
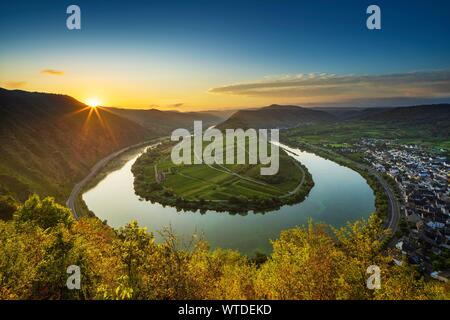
point(339, 195)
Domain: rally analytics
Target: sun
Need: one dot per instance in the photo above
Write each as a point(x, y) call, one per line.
point(93, 102)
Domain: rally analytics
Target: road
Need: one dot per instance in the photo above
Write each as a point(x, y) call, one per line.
point(70, 203)
point(393, 210)
point(394, 207)
point(393, 218)
point(297, 188)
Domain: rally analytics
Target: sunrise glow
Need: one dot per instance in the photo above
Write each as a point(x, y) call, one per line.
point(93, 102)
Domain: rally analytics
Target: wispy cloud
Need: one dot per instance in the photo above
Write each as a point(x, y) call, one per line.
point(177, 105)
point(52, 72)
point(15, 84)
point(326, 87)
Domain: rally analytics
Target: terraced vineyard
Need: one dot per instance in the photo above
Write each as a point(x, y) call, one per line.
point(220, 187)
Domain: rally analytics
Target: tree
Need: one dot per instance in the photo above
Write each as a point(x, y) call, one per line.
point(308, 262)
point(20, 252)
point(45, 213)
point(51, 276)
point(133, 245)
point(305, 264)
point(405, 283)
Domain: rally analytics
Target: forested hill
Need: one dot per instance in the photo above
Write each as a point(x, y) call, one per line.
point(276, 116)
point(279, 116)
point(430, 114)
point(48, 141)
point(166, 121)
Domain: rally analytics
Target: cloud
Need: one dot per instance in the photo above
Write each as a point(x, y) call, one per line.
point(331, 87)
point(176, 105)
point(15, 84)
point(52, 72)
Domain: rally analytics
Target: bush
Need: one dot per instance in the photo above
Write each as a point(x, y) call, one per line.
point(313, 262)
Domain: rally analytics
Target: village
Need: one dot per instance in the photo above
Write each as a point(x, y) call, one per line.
point(422, 184)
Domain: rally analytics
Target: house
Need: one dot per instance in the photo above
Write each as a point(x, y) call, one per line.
point(160, 176)
point(394, 171)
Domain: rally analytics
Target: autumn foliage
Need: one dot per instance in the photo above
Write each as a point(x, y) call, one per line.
point(312, 262)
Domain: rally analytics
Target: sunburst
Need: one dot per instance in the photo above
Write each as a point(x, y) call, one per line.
point(93, 102)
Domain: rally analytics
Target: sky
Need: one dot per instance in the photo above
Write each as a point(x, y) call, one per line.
point(201, 55)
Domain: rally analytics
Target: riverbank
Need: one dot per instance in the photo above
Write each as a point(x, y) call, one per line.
point(116, 163)
point(100, 170)
point(386, 204)
point(339, 195)
point(221, 188)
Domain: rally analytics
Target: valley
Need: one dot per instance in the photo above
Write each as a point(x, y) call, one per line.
point(101, 141)
point(219, 151)
point(50, 142)
point(339, 195)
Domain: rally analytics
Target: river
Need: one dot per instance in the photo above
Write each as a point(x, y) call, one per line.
point(339, 195)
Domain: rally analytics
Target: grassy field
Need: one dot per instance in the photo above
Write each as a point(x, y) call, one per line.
point(212, 185)
point(338, 135)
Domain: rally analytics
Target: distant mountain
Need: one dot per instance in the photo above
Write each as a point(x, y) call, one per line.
point(365, 113)
point(48, 141)
point(424, 114)
point(276, 116)
point(350, 113)
point(163, 122)
point(339, 112)
point(223, 114)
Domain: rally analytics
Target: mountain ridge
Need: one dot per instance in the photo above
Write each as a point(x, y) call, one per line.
point(165, 121)
point(414, 114)
point(48, 141)
point(275, 116)
point(290, 116)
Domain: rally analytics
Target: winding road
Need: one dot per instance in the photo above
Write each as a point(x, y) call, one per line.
point(393, 218)
point(71, 201)
point(391, 223)
point(394, 207)
point(297, 188)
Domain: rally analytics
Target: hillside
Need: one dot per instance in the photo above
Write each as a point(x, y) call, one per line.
point(47, 142)
point(426, 114)
point(163, 122)
point(224, 114)
point(307, 262)
point(276, 116)
point(352, 113)
point(425, 125)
